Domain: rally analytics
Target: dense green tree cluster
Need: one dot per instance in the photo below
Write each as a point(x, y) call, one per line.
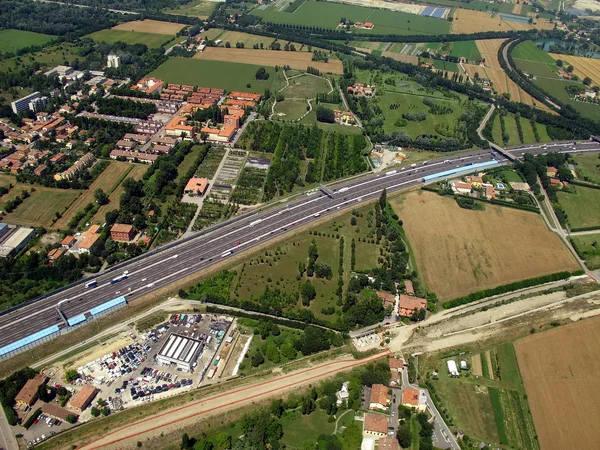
point(123, 107)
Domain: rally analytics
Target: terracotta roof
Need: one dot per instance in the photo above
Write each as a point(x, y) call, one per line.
point(56, 411)
point(68, 240)
point(88, 241)
point(121, 228)
point(410, 289)
point(56, 253)
point(408, 304)
point(196, 184)
point(461, 185)
point(83, 397)
point(386, 297)
point(379, 394)
point(28, 393)
point(396, 363)
point(376, 423)
point(93, 229)
point(388, 443)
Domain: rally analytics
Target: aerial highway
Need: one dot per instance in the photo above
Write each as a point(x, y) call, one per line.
point(160, 268)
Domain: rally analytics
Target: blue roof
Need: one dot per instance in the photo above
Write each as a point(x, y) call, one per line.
point(76, 320)
point(107, 305)
point(28, 340)
point(471, 168)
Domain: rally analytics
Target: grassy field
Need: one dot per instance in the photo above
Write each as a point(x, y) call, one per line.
point(410, 103)
point(557, 87)
point(108, 180)
point(537, 68)
point(290, 109)
point(306, 86)
point(217, 74)
point(588, 245)
point(49, 57)
point(570, 387)
point(152, 40)
point(588, 167)
point(528, 50)
point(453, 244)
point(328, 14)
point(511, 129)
point(40, 207)
point(136, 172)
point(196, 8)
point(468, 49)
point(490, 406)
point(13, 40)
point(581, 207)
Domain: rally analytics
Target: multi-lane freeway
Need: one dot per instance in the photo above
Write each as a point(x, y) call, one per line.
point(164, 267)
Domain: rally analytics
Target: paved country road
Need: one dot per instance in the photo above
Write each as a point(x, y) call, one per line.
point(186, 257)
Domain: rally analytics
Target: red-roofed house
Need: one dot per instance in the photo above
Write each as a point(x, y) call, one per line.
point(196, 186)
point(414, 398)
point(551, 171)
point(408, 286)
point(387, 298)
point(375, 425)
point(408, 305)
point(380, 398)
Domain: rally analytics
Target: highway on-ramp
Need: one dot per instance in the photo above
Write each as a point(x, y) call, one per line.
point(164, 267)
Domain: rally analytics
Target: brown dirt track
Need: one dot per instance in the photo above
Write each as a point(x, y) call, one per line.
point(583, 67)
point(150, 26)
point(296, 60)
point(460, 251)
point(560, 372)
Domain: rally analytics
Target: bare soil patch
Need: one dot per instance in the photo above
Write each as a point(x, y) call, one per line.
point(460, 251)
point(296, 60)
point(476, 369)
point(560, 373)
point(150, 26)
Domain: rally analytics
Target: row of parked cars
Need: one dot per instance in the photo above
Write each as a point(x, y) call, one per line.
point(143, 391)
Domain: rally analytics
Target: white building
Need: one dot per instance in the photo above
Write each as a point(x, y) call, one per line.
point(342, 394)
point(16, 241)
point(181, 351)
point(452, 368)
point(113, 61)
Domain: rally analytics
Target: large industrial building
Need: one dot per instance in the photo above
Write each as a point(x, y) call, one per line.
point(15, 241)
point(180, 350)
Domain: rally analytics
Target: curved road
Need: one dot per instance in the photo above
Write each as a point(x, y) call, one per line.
point(169, 265)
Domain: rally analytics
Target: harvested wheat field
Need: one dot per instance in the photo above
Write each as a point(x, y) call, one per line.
point(560, 373)
point(402, 57)
point(489, 50)
point(459, 251)
point(150, 26)
point(472, 69)
point(296, 60)
point(583, 67)
point(476, 369)
point(468, 21)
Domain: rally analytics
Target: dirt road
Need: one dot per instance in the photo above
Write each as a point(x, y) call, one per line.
point(165, 422)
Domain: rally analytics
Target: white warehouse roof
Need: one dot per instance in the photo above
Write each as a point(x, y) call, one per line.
point(452, 368)
point(179, 349)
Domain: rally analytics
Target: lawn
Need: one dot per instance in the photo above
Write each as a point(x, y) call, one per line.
point(537, 68)
point(217, 74)
point(528, 135)
point(409, 103)
point(306, 86)
point(49, 57)
point(290, 109)
point(328, 14)
point(187, 162)
point(511, 129)
point(39, 209)
point(196, 8)
point(588, 247)
point(512, 176)
point(468, 49)
point(528, 50)
point(137, 172)
point(588, 167)
point(581, 207)
point(130, 37)
point(298, 428)
point(13, 40)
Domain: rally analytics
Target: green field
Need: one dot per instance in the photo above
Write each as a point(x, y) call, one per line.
point(468, 49)
point(13, 40)
point(588, 247)
point(556, 87)
point(588, 167)
point(485, 6)
point(492, 408)
point(196, 8)
point(306, 86)
point(217, 74)
point(290, 110)
point(581, 207)
point(49, 57)
point(328, 14)
point(409, 103)
point(528, 50)
point(511, 129)
point(537, 68)
point(152, 40)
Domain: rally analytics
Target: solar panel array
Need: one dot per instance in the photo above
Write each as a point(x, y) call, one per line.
point(432, 11)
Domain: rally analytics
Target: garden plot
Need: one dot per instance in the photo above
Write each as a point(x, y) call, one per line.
point(232, 166)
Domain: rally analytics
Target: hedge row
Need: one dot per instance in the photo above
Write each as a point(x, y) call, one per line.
point(592, 228)
point(584, 184)
point(279, 321)
point(32, 418)
point(508, 288)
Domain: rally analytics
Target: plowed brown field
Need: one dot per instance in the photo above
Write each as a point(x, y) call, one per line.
point(150, 26)
point(468, 21)
point(402, 57)
point(560, 372)
point(583, 67)
point(460, 251)
point(296, 60)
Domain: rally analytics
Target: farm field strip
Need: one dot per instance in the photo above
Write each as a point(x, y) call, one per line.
point(40, 207)
point(454, 245)
point(489, 50)
point(581, 207)
point(150, 26)
point(271, 58)
point(106, 181)
point(152, 40)
point(13, 40)
point(573, 353)
point(135, 173)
